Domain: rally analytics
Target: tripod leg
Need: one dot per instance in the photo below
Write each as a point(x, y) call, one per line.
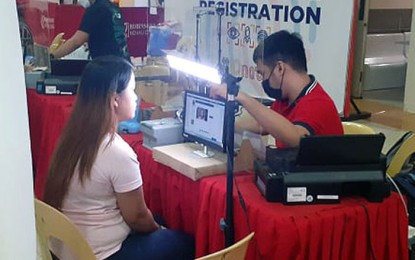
point(358, 115)
point(355, 106)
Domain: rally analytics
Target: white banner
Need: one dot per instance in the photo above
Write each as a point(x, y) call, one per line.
point(325, 27)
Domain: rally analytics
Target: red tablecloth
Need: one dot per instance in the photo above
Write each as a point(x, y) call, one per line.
point(47, 118)
point(353, 229)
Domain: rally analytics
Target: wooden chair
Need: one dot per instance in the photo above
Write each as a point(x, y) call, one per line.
point(402, 155)
point(53, 223)
point(235, 251)
point(352, 128)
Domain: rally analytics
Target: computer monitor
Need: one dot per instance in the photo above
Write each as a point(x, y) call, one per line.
point(204, 122)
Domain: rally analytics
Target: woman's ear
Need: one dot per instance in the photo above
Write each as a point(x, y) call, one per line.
point(280, 66)
point(114, 100)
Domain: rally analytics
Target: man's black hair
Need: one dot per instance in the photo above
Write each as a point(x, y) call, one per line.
point(282, 46)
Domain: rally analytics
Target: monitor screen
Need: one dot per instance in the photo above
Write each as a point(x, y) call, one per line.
point(204, 120)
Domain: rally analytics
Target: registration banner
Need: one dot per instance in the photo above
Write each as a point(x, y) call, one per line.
point(326, 28)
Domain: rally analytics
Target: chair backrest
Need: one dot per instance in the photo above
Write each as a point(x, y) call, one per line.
point(403, 153)
point(352, 128)
point(235, 251)
point(51, 223)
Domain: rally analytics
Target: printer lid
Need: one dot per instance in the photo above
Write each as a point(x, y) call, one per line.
point(340, 149)
point(63, 67)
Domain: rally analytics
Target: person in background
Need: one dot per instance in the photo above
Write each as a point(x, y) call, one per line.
point(301, 106)
point(95, 179)
point(102, 27)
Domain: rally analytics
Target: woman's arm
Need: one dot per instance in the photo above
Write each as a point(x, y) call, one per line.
point(135, 212)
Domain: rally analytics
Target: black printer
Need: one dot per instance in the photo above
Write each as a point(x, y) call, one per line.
point(63, 79)
point(323, 169)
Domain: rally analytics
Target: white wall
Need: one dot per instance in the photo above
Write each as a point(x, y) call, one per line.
point(17, 226)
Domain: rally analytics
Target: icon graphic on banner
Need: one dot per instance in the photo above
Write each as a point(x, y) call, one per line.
point(247, 35)
point(233, 33)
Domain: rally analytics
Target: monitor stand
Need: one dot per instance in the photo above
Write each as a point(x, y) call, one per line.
point(205, 153)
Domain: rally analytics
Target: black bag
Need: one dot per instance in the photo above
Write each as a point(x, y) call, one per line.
point(406, 183)
point(405, 179)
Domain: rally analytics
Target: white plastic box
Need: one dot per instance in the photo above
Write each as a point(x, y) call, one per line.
point(162, 132)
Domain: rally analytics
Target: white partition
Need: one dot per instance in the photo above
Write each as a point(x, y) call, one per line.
point(17, 219)
point(325, 27)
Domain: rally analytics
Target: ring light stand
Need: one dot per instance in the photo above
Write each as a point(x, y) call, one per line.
point(227, 224)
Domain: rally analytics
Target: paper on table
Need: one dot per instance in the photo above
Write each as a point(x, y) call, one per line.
point(257, 143)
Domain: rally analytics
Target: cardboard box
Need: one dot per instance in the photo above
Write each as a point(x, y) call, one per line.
point(139, 3)
point(181, 157)
point(152, 91)
point(151, 83)
point(133, 3)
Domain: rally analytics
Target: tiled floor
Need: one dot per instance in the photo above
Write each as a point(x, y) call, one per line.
point(387, 115)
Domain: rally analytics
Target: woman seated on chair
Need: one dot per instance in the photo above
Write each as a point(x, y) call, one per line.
point(95, 179)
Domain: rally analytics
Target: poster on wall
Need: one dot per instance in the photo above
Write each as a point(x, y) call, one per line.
point(48, 18)
point(325, 27)
point(137, 21)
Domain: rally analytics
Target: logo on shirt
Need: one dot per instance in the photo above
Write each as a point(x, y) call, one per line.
point(117, 15)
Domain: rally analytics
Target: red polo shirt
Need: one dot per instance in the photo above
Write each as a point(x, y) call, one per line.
point(313, 109)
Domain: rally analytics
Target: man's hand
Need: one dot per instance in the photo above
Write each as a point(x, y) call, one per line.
point(57, 41)
point(218, 91)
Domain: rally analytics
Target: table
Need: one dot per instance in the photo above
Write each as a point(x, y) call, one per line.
point(353, 229)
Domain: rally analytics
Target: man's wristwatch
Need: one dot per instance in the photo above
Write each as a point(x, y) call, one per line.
point(51, 56)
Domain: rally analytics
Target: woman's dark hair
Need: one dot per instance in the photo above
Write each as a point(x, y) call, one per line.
point(282, 46)
point(91, 120)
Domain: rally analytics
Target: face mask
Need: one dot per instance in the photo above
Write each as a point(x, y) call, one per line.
point(271, 92)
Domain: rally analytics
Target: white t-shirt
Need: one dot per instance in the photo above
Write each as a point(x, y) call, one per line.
point(93, 208)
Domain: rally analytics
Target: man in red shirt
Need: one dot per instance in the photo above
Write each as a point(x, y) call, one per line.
point(301, 105)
